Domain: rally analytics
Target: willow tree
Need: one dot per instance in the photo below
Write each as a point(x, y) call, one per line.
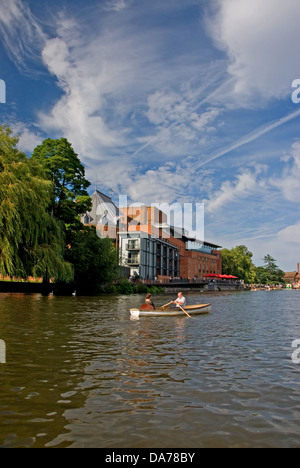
point(31, 240)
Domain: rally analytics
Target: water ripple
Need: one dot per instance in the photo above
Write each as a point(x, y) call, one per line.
point(81, 374)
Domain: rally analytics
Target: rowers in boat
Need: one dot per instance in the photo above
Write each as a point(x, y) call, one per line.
point(177, 308)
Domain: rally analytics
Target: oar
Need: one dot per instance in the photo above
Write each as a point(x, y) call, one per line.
point(184, 311)
point(162, 307)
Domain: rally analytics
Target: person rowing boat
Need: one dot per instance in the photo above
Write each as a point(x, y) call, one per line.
point(180, 302)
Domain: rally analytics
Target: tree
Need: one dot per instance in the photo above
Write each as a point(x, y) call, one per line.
point(31, 240)
point(273, 274)
point(261, 275)
point(69, 199)
point(238, 262)
point(95, 260)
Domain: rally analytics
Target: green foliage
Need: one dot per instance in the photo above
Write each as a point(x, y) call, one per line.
point(238, 262)
point(125, 287)
point(270, 273)
point(95, 260)
point(31, 240)
point(261, 275)
point(62, 166)
point(109, 289)
point(140, 289)
point(41, 200)
point(156, 290)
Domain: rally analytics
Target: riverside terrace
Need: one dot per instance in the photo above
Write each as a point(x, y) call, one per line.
point(209, 284)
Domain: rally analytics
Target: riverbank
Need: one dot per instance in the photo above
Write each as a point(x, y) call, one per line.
point(125, 287)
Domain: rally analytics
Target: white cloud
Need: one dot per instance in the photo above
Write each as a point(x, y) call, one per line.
point(258, 133)
point(29, 136)
point(245, 184)
point(56, 56)
point(289, 181)
point(116, 5)
point(258, 208)
point(85, 78)
point(180, 126)
point(283, 245)
point(166, 107)
point(290, 236)
point(107, 78)
point(21, 34)
point(29, 140)
point(202, 121)
point(261, 39)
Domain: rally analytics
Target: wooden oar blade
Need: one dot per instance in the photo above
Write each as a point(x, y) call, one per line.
point(184, 311)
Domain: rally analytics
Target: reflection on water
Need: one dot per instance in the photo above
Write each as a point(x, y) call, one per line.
point(80, 373)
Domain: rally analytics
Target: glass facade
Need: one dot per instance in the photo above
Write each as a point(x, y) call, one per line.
point(148, 258)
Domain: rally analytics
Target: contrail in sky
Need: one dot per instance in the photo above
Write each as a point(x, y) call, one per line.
point(253, 136)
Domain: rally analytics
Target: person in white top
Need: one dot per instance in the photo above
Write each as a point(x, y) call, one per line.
point(181, 301)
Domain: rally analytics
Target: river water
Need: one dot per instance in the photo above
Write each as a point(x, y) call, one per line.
point(80, 373)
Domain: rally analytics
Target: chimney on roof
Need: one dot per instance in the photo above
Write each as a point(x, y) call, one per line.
point(298, 268)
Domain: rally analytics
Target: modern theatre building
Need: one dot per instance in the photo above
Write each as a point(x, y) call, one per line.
point(149, 246)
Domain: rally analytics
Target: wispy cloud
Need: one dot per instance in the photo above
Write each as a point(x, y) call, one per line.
point(176, 116)
point(289, 181)
point(258, 133)
point(22, 34)
point(244, 185)
point(152, 104)
point(116, 5)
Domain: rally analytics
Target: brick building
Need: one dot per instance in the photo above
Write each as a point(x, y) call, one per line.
point(293, 277)
point(150, 247)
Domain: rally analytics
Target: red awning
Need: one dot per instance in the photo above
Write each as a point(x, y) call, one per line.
point(227, 277)
point(212, 275)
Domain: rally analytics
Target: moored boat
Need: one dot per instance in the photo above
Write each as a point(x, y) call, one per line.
point(192, 310)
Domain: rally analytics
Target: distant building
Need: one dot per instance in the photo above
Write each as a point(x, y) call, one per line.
point(148, 246)
point(201, 259)
point(293, 277)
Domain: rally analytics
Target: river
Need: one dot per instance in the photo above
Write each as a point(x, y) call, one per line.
point(80, 373)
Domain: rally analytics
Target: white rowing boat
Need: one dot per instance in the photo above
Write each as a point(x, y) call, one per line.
point(200, 309)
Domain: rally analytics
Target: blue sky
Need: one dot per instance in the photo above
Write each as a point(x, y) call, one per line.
point(168, 101)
